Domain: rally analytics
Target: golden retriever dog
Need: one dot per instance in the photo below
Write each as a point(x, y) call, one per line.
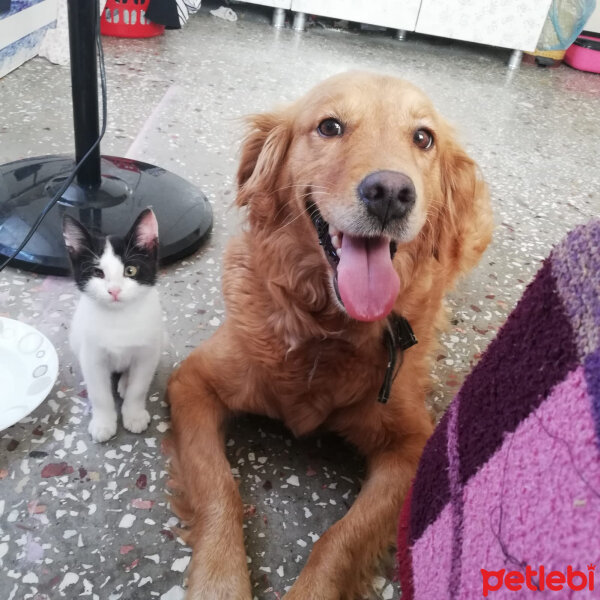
point(361, 211)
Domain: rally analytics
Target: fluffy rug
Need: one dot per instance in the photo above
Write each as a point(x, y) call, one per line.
point(507, 493)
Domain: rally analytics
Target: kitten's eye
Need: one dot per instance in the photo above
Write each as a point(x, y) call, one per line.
point(130, 271)
point(98, 273)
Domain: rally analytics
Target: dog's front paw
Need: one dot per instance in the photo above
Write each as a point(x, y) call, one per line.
point(313, 587)
point(102, 427)
point(313, 594)
point(136, 421)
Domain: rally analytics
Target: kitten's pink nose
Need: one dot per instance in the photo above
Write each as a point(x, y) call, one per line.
point(114, 292)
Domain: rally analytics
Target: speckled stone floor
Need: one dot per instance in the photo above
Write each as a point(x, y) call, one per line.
point(81, 519)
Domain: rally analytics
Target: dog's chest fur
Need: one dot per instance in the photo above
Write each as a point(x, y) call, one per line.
point(320, 377)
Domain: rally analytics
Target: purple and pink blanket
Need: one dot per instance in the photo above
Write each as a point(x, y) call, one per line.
point(507, 495)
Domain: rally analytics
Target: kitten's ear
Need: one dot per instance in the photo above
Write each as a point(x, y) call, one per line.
point(77, 237)
point(145, 230)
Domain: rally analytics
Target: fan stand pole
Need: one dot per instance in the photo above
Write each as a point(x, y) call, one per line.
point(83, 19)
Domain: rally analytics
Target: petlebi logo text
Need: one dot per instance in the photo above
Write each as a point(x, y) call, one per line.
point(538, 579)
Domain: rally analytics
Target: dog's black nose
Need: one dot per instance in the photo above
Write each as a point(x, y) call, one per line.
point(388, 195)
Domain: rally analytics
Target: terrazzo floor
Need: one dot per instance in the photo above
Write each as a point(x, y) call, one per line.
point(83, 519)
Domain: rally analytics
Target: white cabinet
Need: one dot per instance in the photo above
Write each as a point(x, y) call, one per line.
point(397, 14)
point(273, 3)
point(513, 24)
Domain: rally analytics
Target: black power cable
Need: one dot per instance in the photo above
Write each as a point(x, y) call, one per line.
point(76, 168)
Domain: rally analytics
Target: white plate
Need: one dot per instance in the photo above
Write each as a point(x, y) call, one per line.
point(28, 370)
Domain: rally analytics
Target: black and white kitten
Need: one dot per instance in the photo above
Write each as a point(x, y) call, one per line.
point(117, 326)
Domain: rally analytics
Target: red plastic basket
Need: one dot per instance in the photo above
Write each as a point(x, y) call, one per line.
point(127, 18)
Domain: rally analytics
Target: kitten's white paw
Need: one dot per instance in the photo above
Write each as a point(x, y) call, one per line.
point(122, 385)
point(136, 421)
point(103, 427)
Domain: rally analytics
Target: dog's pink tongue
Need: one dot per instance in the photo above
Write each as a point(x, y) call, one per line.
point(367, 280)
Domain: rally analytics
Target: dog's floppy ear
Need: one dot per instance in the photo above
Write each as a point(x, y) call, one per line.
point(465, 229)
point(263, 153)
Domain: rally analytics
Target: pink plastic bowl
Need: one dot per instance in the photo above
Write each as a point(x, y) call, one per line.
point(584, 54)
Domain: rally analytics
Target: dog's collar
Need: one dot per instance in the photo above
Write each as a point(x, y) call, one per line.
point(398, 336)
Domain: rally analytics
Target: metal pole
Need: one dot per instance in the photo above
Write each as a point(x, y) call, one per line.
point(83, 21)
point(514, 61)
point(299, 21)
point(278, 18)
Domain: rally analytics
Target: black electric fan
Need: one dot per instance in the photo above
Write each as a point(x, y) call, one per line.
point(108, 192)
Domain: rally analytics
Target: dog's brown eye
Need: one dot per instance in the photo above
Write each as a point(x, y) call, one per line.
point(423, 139)
point(330, 128)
